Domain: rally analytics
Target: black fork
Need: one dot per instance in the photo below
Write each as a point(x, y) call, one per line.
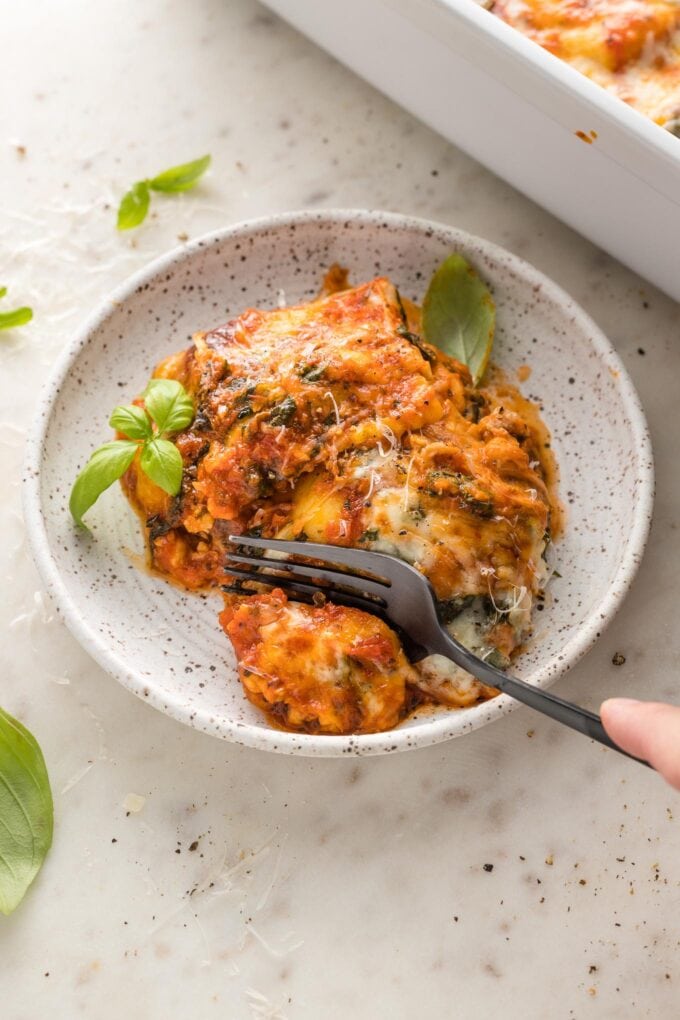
point(404, 598)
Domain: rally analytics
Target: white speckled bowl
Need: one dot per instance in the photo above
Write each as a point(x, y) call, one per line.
point(167, 646)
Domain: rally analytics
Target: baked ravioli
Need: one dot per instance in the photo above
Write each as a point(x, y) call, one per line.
point(630, 47)
point(333, 421)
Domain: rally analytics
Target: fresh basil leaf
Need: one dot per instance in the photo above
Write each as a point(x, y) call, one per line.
point(134, 206)
point(180, 178)
point(162, 462)
point(132, 421)
point(106, 464)
point(19, 317)
point(26, 811)
point(169, 405)
point(459, 315)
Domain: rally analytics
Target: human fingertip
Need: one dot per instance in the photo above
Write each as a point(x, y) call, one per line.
point(618, 706)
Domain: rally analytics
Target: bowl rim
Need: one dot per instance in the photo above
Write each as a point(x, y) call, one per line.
point(445, 725)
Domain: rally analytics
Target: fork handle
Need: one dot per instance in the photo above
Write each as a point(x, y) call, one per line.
point(562, 711)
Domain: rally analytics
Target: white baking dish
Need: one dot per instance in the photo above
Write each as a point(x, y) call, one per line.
point(517, 109)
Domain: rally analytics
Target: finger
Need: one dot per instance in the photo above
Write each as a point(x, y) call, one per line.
point(647, 729)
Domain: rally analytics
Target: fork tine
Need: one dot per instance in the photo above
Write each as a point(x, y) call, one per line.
point(322, 572)
point(335, 554)
point(274, 582)
point(370, 597)
point(307, 591)
point(350, 596)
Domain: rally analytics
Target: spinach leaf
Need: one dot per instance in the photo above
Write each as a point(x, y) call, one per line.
point(281, 413)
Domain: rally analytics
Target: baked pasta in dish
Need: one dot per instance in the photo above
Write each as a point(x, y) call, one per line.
point(631, 47)
point(335, 422)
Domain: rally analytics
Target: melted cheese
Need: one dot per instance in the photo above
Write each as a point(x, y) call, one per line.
point(630, 47)
point(326, 420)
point(322, 669)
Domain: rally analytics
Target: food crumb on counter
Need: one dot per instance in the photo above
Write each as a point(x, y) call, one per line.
point(133, 803)
point(618, 659)
point(487, 867)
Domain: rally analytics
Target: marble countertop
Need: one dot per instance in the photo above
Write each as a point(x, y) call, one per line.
point(517, 872)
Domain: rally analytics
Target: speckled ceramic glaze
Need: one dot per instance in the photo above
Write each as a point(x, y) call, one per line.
point(167, 646)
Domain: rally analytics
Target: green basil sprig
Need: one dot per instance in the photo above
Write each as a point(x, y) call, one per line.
point(26, 811)
point(17, 317)
point(135, 203)
point(168, 408)
point(459, 315)
point(134, 206)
